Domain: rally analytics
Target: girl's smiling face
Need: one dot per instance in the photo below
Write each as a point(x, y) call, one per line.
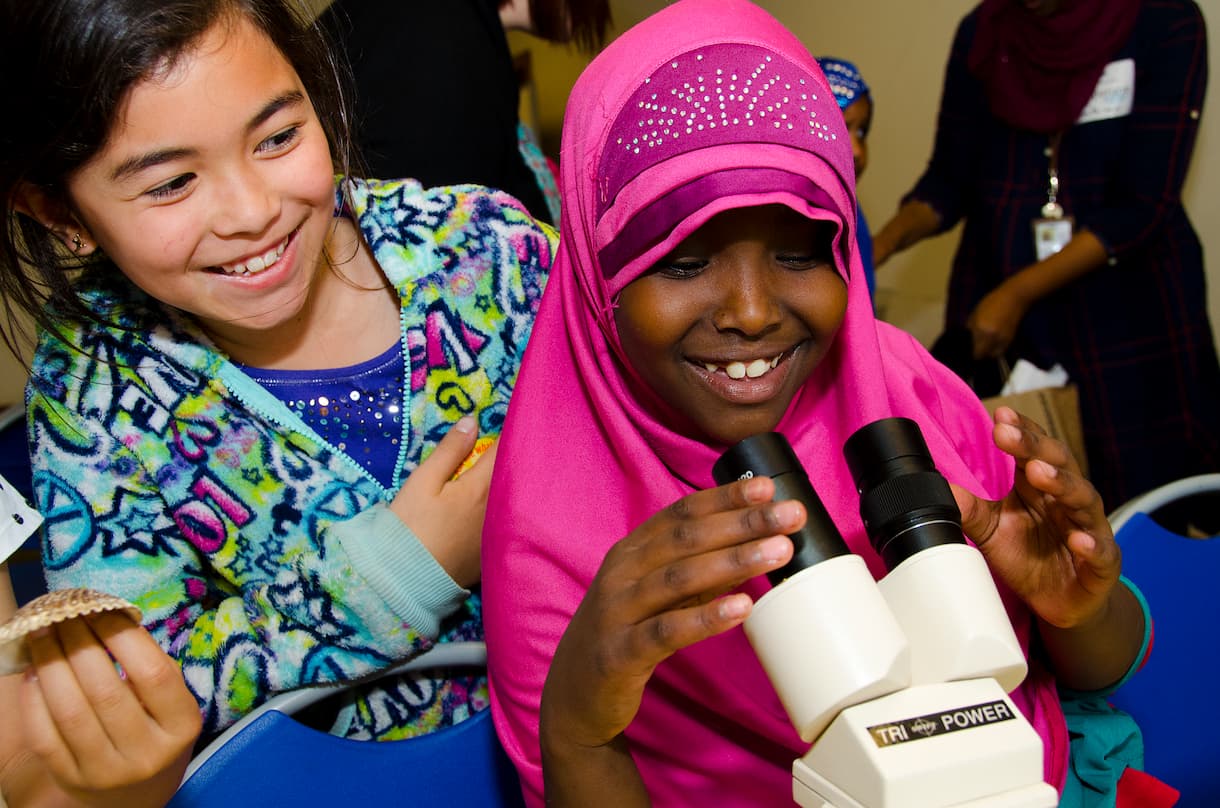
point(728, 326)
point(214, 191)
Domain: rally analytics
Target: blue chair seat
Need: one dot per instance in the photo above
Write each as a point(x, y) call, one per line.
point(1173, 697)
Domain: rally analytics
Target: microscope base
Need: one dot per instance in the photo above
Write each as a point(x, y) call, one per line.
point(952, 744)
point(828, 796)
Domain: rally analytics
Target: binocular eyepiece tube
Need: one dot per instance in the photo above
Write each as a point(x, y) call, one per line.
point(770, 455)
point(828, 634)
point(824, 633)
point(905, 503)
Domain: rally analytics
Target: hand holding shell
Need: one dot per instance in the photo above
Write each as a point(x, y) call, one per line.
point(47, 610)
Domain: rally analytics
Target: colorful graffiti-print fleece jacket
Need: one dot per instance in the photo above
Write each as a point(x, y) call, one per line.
point(263, 558)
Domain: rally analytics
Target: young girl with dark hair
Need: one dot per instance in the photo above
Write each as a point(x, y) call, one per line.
point(254, 383)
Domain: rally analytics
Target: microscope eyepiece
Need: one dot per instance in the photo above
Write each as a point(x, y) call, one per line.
point(905, 503)
point(770, 455)
point(829, 635)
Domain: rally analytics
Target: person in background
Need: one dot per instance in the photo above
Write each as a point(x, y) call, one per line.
point(856, 100)
point(437, 92)
point(255, 382)
point(708, 288)
point(74, 731)
point(1065, 133)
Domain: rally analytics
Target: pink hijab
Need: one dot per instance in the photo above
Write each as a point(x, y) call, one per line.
point(705, 106)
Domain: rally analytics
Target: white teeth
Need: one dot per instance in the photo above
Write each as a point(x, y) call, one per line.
point(258, 263)
point(757, 368)
point(740, 370)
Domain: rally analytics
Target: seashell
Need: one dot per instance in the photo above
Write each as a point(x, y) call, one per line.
point(47, 610)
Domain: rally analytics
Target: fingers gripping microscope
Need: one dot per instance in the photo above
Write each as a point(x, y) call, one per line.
point(900, 685)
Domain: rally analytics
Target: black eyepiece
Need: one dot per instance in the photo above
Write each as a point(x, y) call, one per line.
point(906, 504)
point(770, 455)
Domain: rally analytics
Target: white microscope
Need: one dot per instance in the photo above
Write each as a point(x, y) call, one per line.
point(900, 684)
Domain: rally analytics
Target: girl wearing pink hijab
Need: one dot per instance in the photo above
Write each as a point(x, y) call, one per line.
point(708, 287)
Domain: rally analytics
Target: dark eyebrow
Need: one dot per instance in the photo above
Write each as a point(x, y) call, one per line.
point(134, 165)
point(288, 99)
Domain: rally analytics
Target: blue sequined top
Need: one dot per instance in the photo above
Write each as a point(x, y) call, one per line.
point(357, 409)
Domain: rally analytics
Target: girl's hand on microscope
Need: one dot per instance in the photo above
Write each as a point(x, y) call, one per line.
point(1049, 539)
point(1050, 542)
point(658, 590)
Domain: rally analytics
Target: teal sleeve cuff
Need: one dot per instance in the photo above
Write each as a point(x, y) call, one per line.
point(400, 570)
point(1136, 663)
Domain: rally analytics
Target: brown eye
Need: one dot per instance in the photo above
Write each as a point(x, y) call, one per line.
point(280, 140)
point(168, 190)
point(802, 262)
point(681, 269)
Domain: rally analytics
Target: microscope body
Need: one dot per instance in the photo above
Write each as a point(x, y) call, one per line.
point(944, 732)
point(900, 685)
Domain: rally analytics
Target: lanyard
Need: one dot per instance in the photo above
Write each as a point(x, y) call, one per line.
point(1052, 209)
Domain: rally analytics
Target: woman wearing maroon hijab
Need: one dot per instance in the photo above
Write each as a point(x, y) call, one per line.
point(1065, 133)
point(1039, 60)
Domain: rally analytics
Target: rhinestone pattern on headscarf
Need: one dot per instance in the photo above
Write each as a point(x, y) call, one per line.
point(700, 98)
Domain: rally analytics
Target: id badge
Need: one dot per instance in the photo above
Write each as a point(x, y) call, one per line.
point(1050, 236)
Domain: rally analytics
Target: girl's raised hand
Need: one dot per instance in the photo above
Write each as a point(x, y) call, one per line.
point(659, 590)
point(446, 514)
point(108, 739)
point(1049, 539)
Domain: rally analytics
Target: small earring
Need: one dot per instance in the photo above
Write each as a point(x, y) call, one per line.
point(77, 244)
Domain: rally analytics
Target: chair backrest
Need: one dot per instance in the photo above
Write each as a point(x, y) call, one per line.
point(269, 758)
point(1167, 494)
point(1172, 697)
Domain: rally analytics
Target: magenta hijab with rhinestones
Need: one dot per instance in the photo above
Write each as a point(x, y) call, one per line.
point(708, 105)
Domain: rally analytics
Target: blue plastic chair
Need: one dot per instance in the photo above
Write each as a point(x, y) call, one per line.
point(269, 758)
point(1173, 697)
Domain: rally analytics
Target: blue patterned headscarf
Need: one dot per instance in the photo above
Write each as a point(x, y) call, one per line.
point(845, 80)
